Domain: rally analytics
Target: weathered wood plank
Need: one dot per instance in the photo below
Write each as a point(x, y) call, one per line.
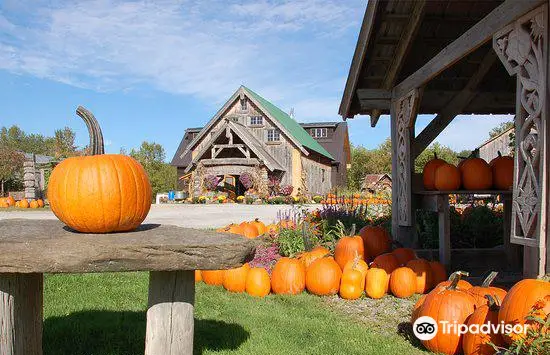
point(21, 302)
point(40, 246)
point(455, 106)
point(372, 104)
point(444, 220)
point(170, 323)
point(472, 39)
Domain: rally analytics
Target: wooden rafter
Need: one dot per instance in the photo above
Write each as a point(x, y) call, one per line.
point(403, 47)
point(454, 107)
point(472, 39)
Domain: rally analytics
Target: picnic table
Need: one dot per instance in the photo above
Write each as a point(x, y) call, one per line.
point(30, 248)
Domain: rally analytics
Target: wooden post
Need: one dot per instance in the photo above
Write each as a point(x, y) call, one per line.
point(444, 220)
point(170, 314)
point(21, 302)
point(512, 250)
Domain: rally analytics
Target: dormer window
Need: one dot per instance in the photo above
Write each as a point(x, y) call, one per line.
point(318, 132)
point(256, 120)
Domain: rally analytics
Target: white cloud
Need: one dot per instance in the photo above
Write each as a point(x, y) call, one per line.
point(200, 48)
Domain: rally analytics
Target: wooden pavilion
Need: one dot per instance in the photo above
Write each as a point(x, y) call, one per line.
point(451, 57)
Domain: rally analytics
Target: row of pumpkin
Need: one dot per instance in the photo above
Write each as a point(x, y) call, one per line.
point(6, 202)
point(458, 302)
point(472, 174)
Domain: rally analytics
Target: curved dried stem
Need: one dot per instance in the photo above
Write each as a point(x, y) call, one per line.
point(489, 279)
point(455, 278)
point(96, 137)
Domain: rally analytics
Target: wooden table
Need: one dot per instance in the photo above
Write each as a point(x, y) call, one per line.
point(30, 248)
point(438, 201)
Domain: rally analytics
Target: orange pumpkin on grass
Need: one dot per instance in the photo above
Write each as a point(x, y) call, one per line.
point(323, 277)
point(404, 255)
point(212, 277)
point(352, 284)
point(376, 241)
point(376, 283)
point(418, 308)
point(198, 276)
point(347, 249)
point(258, 283)
point(117, 184)
point(358, 264)
point(439, 273)
point(234, 280)
point(387, 261)
point(423, 273)
point(310, 256)
point(24, 203)
point(288, 276)
point(480, 343)
point(403, 282)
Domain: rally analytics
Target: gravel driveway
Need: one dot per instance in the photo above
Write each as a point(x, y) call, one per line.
point(193, 216)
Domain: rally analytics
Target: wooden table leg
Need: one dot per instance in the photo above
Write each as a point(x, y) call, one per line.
point(170, 313)
point(21, 310)
point(444, 219)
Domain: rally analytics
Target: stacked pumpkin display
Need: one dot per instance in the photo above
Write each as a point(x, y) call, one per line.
point(6, 202)
point(254, 228)
point(457, 301)
point(472, 174)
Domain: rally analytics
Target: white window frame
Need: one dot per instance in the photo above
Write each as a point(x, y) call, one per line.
point(244, 105)
point(319, 132)
point(273, 135)
point(257, 120)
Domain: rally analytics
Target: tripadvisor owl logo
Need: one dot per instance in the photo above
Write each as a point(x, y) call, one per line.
point(425, 328)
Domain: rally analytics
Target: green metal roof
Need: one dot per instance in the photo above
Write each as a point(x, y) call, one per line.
point(290, 125)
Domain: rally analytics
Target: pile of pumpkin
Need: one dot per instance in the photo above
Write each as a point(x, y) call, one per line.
point(355, 200)
point(346, 271)
point(472, 174)
point(6, 202)
point(457, 301)
point(255, 228)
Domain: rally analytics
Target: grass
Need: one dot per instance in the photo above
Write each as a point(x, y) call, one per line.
point(104, 314)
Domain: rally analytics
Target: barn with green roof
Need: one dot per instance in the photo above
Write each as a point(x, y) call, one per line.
point(251, 136)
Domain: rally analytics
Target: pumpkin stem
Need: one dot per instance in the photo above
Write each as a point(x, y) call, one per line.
point(492, 302)
point(455, 278)
point(353, 228)
point(499, 153)
point(489, 279)
point(435, 155)
point(96, 137)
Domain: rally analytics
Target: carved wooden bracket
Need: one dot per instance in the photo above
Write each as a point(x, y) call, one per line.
point(522, 47)
point(404, 115)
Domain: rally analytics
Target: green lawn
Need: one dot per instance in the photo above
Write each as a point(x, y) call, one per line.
point(104, 314)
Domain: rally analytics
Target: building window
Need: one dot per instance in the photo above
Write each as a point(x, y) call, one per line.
point(256, 120)
point(273, 135)
point(244, 105)
point(318, 132)
point(234, 118)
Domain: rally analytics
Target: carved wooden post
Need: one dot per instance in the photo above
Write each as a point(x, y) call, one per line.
point(522, 46)
point(403, 117)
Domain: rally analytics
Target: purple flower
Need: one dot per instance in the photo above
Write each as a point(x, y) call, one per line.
point(286, 190)
point(211, 182)
point(246, 180)
point(266, 256)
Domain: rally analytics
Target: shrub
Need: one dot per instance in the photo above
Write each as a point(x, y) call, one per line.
point(211, 182)
point(317, 199)
point(290, 242)
point(266, 256)
point(246, 180)
point(287, 190)
point(276, 200)
point(249, 200)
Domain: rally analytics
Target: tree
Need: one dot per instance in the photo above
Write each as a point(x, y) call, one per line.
point(501, 128)
point(442, 152)
point(11, 163)
point(61, 145)
point(163, 176)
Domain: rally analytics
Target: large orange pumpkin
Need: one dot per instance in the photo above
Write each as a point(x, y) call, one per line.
point(212, 277)
point(447, 178)
point(198, 276)
point(376, 283)
point(439, 273)
point(480, 293)
point(234, 280)
point(323, 277)
point(423, 273)
point(260, 226)
point(451, 305)
point(347, 249)
point(352, 284)
point(250, 231)
point(503, 172)
point(258, 283)
point(288, 276)
point(310, 256)
point(418, 308)
point(403, 282)
point(428, 173)
point(376, 241)
point(404, 255)
point(101, 193)
point(357, 264)
point(387, 261)
point(521, 299)
point(476, 174)
point(480, 344)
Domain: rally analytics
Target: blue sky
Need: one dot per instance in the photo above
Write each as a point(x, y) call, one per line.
point(150, 69)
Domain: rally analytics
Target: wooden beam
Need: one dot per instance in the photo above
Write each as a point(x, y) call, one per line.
point(472, 39)
point(403, 47)
point(358, 58)
point(455, 106)
point(373, 94)
point(370, 104)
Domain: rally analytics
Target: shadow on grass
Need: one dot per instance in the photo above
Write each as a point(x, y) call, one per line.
point(406, 331)
point(123, 333)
